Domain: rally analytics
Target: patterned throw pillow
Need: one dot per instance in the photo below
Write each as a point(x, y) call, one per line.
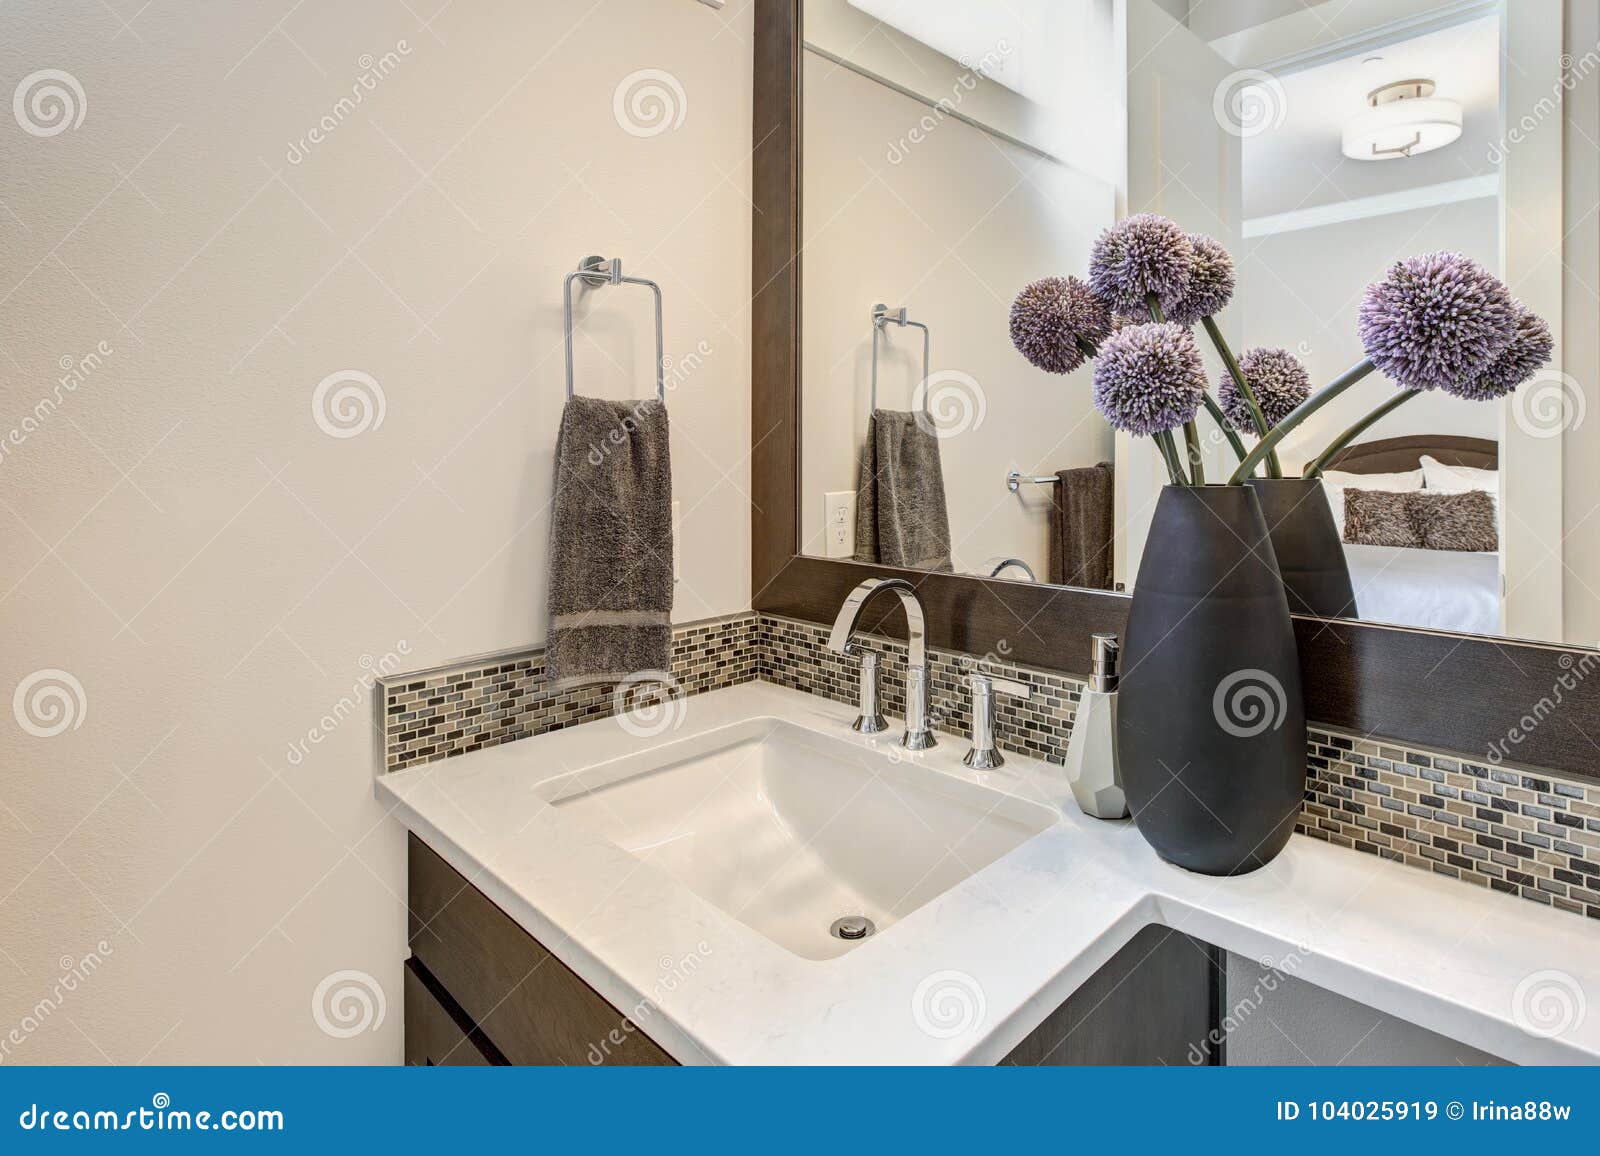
point(1454, 521)
point(1378, 518)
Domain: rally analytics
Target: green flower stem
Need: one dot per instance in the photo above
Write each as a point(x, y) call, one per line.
point(1257, 417)
point(1302, 411)
point(1224, 425)
point(1169, 453)
point(1191, 444)
point(1355, 431)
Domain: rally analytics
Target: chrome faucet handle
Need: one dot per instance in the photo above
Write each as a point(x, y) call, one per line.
point(870, 720)
point(918, 736)
point(984, 755)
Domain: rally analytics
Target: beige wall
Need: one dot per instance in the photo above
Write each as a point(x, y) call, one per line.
point(951, 229)
point(1581, 336)
point(213, 568)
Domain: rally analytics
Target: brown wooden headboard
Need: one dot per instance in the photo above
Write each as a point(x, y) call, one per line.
point(1396, 455)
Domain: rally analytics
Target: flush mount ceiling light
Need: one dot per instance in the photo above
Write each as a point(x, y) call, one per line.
point(1403, 119)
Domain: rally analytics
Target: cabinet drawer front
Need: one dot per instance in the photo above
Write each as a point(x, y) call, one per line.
point(534, 1008)
point(438, 1032)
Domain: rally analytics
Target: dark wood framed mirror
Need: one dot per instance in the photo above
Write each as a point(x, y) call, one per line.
point(1455, 692)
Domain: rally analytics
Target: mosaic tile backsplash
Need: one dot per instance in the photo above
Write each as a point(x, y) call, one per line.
point(1521, 832)
point(447, 711)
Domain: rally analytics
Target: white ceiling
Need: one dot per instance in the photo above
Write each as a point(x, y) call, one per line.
point(1298, 164)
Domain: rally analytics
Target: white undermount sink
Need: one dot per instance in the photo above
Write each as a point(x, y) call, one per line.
point(788, 830)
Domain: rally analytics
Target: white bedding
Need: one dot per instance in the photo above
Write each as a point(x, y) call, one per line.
point(1439, 589)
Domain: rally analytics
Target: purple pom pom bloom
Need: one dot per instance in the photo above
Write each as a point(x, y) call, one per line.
point(1138, 256)
point(1211, 282)
point(1149, 378)
point(1436, 321)
point(1528, 353)
point(1278, 380)
point(1051, 317)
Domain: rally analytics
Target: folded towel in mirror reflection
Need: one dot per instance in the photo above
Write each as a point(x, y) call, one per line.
point(610, 543)
point(1081, 526)
point(901, 519)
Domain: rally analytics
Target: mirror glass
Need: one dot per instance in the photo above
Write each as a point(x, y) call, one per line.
point(954, 153)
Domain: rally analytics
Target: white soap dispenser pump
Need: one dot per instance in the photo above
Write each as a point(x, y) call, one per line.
point(1092, 747)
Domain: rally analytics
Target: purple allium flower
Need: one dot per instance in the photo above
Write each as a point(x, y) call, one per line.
point(1149, 378)
point(1049, 319)
point(1528, 352)
point(1211, 282)
point(1436, 321)
point(1140, 255)
point(1277, 379)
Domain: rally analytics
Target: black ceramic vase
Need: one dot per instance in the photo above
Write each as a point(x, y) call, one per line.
point(1316, 575)
point(1210, 722)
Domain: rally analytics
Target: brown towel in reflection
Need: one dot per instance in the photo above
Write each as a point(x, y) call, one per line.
point(1081, 526)
point(901, 518)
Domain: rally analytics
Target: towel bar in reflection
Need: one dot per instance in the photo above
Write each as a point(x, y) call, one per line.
point(882, 315)
point(1015, 479)
point(594, 272)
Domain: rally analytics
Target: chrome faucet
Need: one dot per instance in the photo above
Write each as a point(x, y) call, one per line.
point(917, 736)
point(985, 754)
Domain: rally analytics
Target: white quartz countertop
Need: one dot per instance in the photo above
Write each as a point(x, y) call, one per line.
point(1025, 931)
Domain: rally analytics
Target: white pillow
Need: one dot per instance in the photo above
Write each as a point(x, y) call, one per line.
point(1458, 479)
point(1335, 482)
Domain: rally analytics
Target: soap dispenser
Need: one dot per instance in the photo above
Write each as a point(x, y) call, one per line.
point(1092, 747)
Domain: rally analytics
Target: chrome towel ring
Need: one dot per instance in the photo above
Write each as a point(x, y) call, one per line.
point(594, 272)
point(882, 315)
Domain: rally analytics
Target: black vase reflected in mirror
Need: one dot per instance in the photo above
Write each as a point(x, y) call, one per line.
point(1311, 558)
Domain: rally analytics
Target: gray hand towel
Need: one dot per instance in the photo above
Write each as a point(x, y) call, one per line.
point(901, 519)
point(610, 543)
point(1081, 526)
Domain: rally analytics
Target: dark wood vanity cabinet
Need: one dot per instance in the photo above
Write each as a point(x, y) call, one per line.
point(482, 967)
point(480, 990)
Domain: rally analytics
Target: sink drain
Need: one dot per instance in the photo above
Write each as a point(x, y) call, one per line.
point(851, 927)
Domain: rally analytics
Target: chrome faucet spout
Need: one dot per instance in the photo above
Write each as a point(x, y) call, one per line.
point(917, 735)
point(844, 626)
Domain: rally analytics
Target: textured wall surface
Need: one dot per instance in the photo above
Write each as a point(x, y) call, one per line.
point(258, 199)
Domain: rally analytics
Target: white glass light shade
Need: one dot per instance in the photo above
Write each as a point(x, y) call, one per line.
point(1402, 128)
